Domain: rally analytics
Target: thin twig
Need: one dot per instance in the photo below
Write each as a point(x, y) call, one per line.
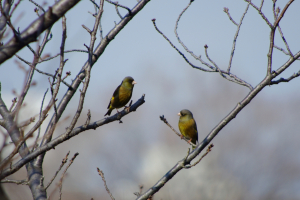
point(284, 51)
point(117, 10)
point(261, 13)
point(282, 13)
point(95, 4)
point(285, 42)
point(119, 5)
point(207, 151)
point(69, 51)
point(210, 60)
point(66, 136)
point(26, 122)
point(63, 162)
point(105, 185)
point(261, 4)
point(285, 80)
point(274, 12)
point(18, 145)
point(182, 44)
point(37, 5)
point(87, 70)
point(14, 101)
point(18, 182)
point(39, 131)
point(185, 58)
point(63, 174)
point(52, 76)
point(226, 10)
point(235, 38)
point(88, 119)
point(58, 72)
point(27, 84)
point(16, 5)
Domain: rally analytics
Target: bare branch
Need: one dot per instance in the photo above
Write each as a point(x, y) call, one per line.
point(27, 84)
point(27, 122)
point(88, 118)
point(235, 38)
point(54, 92)
point(207, 151)
point(285, 80)
point(69, 51)
point(62, 176)
point(282, 13)
point(21, 141)
point(14, 101)
point(194, 66)
point(224, 74)
point(20, 182)
point(261, 13)
point(270, 53)
point(16, 5)
point(86, 28)
point(87, 70)
point(39, 131)
point(284, 51)
point(97, 53)
point(119, 5)
point(226, 10)
point(182, 44)
point(37, 5)
point(63, 162)
point(3, 18)
point(285, 42)
point(117, 10)
point(261, 4)
point(37, 27)
point(179, 166)
point(105, 185)
point(65, 136)
point(210, 60)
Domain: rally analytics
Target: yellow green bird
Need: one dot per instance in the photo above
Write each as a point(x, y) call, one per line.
point(122, 94)
point(187, 126)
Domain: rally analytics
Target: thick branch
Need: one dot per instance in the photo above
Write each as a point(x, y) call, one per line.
point(179, 166)
point(36, 28)
point(64, 137)
point(96, 54)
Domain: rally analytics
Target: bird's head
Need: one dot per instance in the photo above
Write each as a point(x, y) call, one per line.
point(185, 112)
point(129, 80)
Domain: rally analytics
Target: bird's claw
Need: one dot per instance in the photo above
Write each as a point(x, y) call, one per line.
point(127, 108)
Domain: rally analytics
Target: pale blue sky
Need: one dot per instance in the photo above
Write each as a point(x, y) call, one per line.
point(170, 85)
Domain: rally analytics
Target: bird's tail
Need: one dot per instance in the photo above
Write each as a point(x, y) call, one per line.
point(108, 112)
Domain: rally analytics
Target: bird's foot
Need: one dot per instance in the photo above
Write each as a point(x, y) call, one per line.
point(127, 108)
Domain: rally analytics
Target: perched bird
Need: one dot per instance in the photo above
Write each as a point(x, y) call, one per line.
point(187, 126)
point(122, 94)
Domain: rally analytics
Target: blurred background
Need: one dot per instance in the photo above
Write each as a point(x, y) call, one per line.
point(256, 156)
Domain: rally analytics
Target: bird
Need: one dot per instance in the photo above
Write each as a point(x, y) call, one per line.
point(122, 94)
point(187, 126)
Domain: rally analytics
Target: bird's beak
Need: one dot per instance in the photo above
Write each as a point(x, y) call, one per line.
point(133, 82)
point(179, 114)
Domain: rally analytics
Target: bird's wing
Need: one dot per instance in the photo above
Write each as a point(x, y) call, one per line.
point(195, 126)
point(114, 96)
